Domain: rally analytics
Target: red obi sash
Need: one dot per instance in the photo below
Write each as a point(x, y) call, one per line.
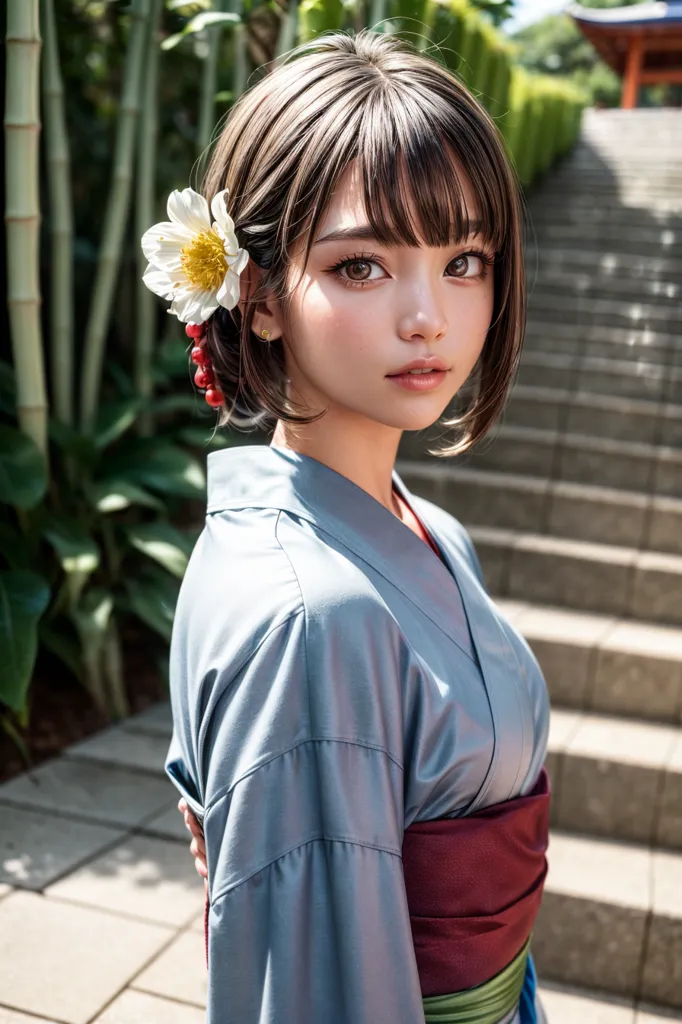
point(474, 886)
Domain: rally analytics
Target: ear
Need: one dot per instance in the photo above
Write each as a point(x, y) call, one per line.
point(266, 314)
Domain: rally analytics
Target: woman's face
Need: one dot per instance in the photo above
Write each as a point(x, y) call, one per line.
point(362, 311)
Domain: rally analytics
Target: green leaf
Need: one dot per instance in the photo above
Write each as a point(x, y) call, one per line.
point(91, 619)
point(13, 548)
point(188, 7)
point(115, 495)
point(198, 24)
point(75, 549)
point(62, 645)
point(153, 600)
point(164, 544)
point(24, 596)
point(114, 419)
point(191, 403)
point(172, 358)
point(199, 437)
point(161, 466)
point(23, 472)
point(72, 442)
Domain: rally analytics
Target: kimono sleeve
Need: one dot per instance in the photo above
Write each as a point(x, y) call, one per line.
point(308, 919)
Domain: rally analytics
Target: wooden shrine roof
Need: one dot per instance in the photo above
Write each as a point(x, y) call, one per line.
point(609, 30)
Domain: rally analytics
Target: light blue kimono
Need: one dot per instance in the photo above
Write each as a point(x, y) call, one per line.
point(327, 692)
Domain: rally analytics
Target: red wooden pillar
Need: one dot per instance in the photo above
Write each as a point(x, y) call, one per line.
point(633, 68)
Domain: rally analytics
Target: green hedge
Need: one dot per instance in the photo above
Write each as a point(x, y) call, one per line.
point(538, 116)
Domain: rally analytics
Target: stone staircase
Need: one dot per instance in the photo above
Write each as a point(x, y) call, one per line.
point(575, 507)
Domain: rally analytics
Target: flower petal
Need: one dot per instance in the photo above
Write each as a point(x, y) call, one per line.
point(229, 291)
point(189, 209)
point(158, 282)
point(238, 262)
point(220, 214)
point(163, 235)
point(192, 305)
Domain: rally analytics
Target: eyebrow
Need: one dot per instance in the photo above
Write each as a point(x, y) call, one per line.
point(364, 232)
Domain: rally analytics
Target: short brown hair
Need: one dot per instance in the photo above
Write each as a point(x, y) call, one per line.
point(372, 97)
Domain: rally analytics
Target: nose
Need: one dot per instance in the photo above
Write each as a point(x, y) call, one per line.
point(424, 318)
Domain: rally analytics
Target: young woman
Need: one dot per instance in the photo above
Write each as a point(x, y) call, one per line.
point(359, 733)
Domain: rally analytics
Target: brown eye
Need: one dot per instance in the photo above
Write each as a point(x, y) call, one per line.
point(364, 268)
point(462, 264)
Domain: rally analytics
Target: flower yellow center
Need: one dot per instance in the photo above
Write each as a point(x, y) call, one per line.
point(204, 261)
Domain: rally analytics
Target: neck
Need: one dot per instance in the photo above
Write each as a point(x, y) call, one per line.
point(361, 452)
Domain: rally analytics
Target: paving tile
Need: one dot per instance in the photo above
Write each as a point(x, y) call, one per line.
point(14, 1017)
point(103, 793)
point(133, 1007)
point(570, 1006)
point(148, 878)
point(156, 720)
point(37, 848)
point(179, 972)
point(123, 747)
point(82, 957)
point(168, 824)
point(198, 923)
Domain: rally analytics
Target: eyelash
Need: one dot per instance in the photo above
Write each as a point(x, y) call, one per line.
point(486, 258)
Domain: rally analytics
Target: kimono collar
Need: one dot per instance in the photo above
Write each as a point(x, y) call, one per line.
point(264, 476)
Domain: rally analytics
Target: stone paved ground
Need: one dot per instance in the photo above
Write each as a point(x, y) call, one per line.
point(101, 910)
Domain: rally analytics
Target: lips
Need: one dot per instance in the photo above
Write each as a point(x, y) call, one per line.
point(423, 363)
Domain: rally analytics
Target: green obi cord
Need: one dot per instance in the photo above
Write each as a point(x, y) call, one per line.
point(484, 1004)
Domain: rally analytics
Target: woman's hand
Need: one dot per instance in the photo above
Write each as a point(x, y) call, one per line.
point(197, 847)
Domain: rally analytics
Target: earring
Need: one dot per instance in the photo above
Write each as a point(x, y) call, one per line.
point(265, 333)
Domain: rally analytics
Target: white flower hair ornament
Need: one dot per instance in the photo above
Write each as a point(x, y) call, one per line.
point(196, 263)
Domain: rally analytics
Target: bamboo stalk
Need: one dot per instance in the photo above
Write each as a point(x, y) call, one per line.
point(61, 221)
point(22, 215)
point(145, 319)
point(112, 659)
point(288, 30)
point(209, 87)
point(240, 65)
point(118, 207)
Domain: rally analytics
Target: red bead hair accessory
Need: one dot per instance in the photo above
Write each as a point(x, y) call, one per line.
point(204, 377)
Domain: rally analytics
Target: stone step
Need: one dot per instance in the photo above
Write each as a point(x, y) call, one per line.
point(608, 265)
point(613, 190)
point(583, 412)
point(602, 663)
point(567, 1004)
point(662, 218)
point(616, 778)
point(642, 314)
point(605, 578)
point(600, 341)
point(596, 236)
point(640, 378)
point(611, 919)
point(554, 455)
point(598, 515)
point(578, 286)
